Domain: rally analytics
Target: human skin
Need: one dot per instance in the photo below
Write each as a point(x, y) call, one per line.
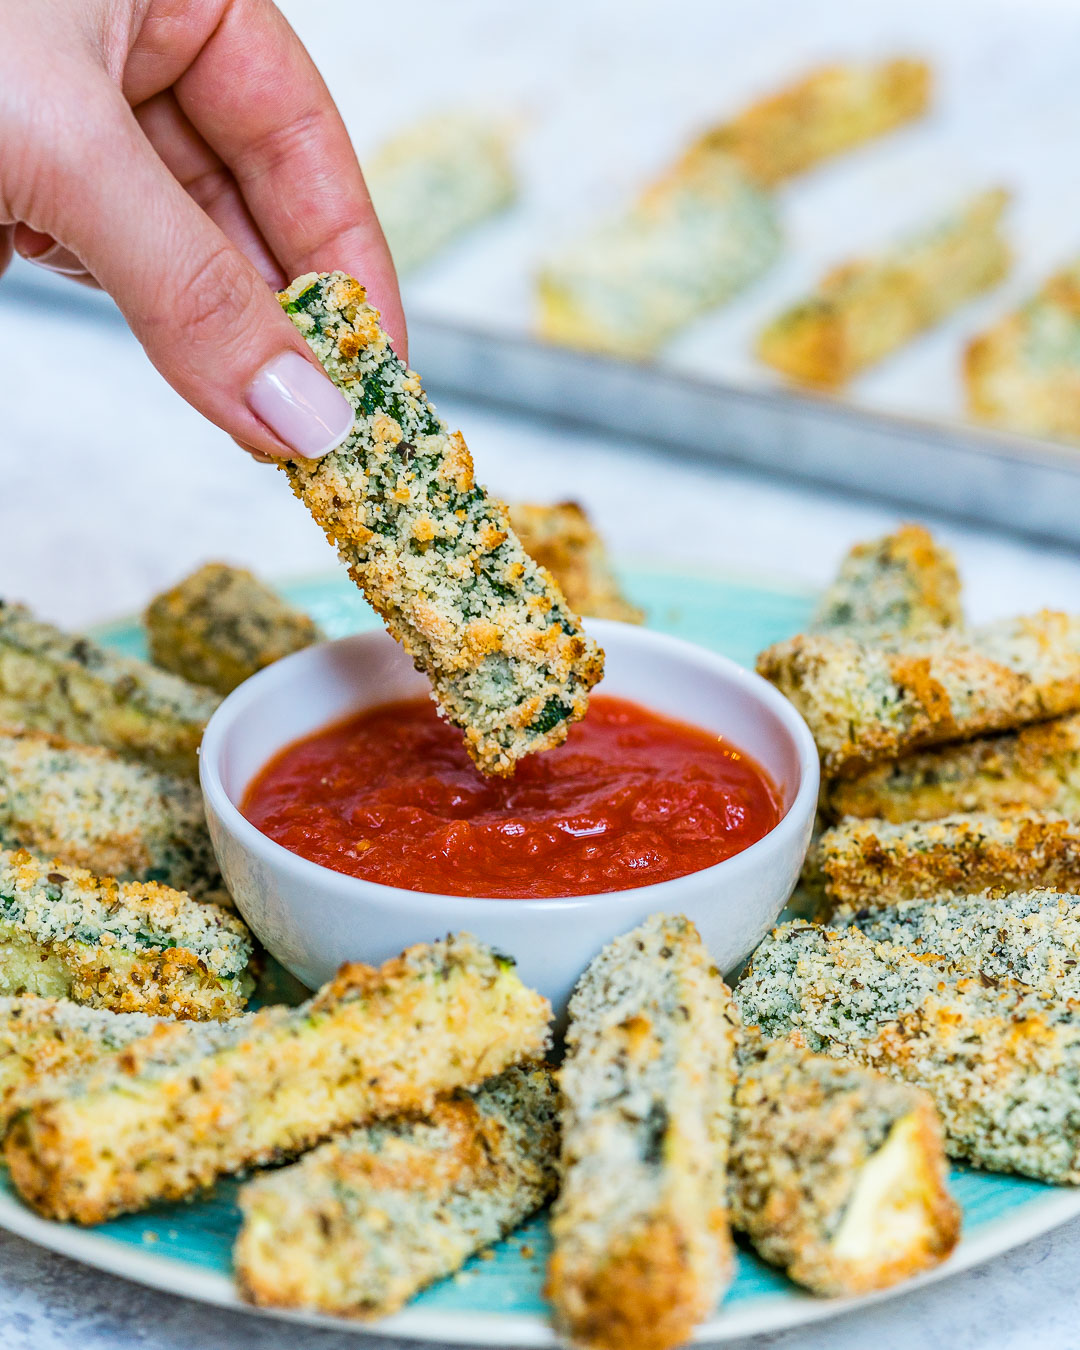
point(186, 156)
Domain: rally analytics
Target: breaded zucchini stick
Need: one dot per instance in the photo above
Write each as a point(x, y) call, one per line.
point(838, 1174)
point(44, 1041)
point(904, 584)
point(221, 624)
point(127, 946)
point(69, 685)
point(697, 236)
point(437, 179)
point(828, 111)
point(1002, 1065)
point(371, 1043)
point(641, 1247)
point(872, 864)
point(865, 309)
point(1024, 372)
point(89, 807)
point(363, 1223)
point(563, 539)
point(508, 661)
point(1034, 769)
point(870, 702)
point(1027, 937)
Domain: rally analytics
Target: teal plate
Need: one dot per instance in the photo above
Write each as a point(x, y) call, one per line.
point(497, 1301)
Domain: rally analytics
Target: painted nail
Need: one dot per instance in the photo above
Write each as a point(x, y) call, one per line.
point(300, 405)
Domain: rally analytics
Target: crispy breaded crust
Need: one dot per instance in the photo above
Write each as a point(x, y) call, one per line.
point(127, 946)
point(828, 111)
point(563, 539)
point(1024, 937)
point(71, 686)
point(1001, 1064)
point(867, 308)
point(437, 179)
point(1024, 372)
point(870, 702)
point(91, 808)
point(160, 1123)
point(507, 658)
point(363, 1223)
point(46, 1040)
point(838, 1174)
point(697, 236)
point(872, 864)
point(221, 624)
point(904, 584)
point(641, 1245)
point(1034, 769)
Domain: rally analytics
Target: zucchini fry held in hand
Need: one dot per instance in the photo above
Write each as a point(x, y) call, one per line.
point(364, 1222)
point(872, 864)
point(641, 1247)
point(563, 539)
point(160, 1124)
point(903, 585)
point(222, 624)
point(89, 807)
point(127, 946)
point(1034, 769)
point(865, 309)
point(507, 658)
point(838, 1174)
point(1030, 938)
point(866, 703)
point(71, 686)
point(437, 179)
point(1002, 1065)
point(1024, 372)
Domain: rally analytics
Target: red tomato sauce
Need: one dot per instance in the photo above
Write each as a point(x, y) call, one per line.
point(630, 798)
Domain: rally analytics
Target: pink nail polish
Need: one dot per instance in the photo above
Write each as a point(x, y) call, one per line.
point(300, 404)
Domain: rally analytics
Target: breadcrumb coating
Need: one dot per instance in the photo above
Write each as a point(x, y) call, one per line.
point(159, 1123)
point(828, 111)
point(874, 864)
point(904, 584)
point(866, 308)
point(92, 808)
point(69, 685)
point(1024, 372)
point(868, 702)
point(1034, 769)
point(363, 1223)
point(221, 624)
point(641, 1247)
point(838, 1174)
point(563, 539)
point(432, 552)
point(1001, 1064)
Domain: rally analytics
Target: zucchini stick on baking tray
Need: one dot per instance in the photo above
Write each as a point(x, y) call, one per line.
point(160, 1123)
point(641, 1247)
point(1001, 1064)
point(433, 553)
point(364, 1222)
point(865, 309)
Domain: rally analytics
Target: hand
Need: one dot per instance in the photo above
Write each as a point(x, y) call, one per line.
point(186, 156)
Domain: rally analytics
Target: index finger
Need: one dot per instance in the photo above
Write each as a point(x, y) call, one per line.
point(255, 96)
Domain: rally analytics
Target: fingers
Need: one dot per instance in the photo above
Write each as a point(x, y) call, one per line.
point(290, 154)
point(44, 251)
point(206, 179)
point(6, 233)
point(207, 319)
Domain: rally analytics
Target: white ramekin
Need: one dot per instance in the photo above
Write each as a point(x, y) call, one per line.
point(312, 919)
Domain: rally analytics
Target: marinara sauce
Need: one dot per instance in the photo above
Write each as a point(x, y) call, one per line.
point(630, 798)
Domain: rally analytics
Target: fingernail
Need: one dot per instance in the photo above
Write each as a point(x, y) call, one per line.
point(300, 405)
point(57, 259)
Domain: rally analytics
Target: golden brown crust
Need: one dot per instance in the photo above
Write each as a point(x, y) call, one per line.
point(564, 540)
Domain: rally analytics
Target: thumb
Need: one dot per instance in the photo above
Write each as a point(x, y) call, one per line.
point(206, 318)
